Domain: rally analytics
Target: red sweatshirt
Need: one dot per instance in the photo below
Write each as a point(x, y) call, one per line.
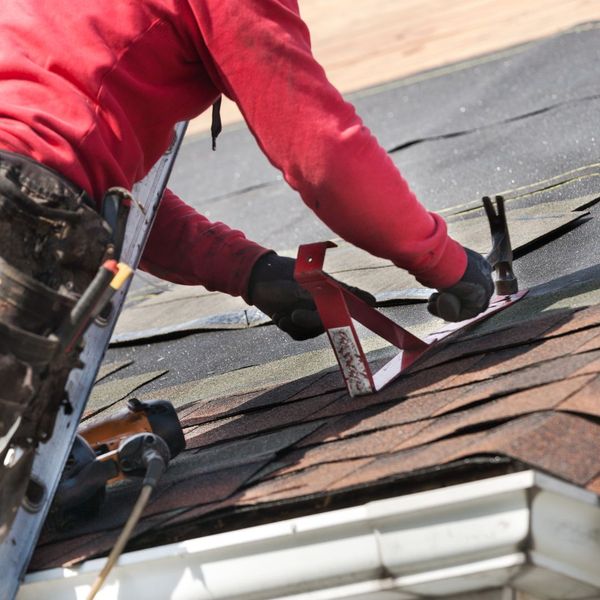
point(94, 88)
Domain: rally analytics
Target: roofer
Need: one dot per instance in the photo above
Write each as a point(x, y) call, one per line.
point(89, 95)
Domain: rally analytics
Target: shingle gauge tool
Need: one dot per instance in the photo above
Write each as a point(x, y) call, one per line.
point(339, 309)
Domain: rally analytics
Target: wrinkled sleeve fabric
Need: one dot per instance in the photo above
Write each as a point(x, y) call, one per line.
point(261, 58)
point(185, 247)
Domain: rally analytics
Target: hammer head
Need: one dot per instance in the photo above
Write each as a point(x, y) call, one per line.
point(501, 255)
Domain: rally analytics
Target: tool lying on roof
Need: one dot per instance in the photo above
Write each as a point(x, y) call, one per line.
point(110, 450)
point(138, 441)
point(338, 307)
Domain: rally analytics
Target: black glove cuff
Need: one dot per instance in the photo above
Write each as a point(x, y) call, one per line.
point(270, 267)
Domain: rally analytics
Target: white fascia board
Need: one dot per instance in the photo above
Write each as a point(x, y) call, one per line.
point(453, 540)
point(465, 578)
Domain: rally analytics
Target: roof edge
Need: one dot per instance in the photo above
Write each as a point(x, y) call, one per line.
point(521, 529)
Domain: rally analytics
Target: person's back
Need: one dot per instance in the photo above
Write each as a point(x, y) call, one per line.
point(93, 89)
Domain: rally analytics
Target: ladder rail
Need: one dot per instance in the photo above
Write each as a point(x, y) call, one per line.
point(18, 547)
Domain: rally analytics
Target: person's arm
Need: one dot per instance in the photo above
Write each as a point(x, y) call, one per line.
point(259, 55)
point(185, 247)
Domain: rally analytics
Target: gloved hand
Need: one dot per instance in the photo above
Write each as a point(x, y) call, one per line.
point(273, 290)
point(470, 296)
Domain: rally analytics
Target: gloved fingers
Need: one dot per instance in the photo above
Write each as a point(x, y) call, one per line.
point(446, 306)
point(286, 325)
point(281, 297)
point(292, 308)
point(279, 292)
point(470, 296)
point(304, 298)
point(474, 298)
point(450, 307)
point(300, 324)
point(308, 320)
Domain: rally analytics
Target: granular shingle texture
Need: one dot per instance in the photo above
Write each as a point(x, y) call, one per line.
point(534, 402)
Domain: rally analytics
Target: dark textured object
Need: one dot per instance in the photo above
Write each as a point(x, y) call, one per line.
point(273, 289)
point(51, 245)
point(467, 298)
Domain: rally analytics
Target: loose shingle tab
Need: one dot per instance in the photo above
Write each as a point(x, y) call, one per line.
point(586, 401)
point(110, 368)
point(107, 395)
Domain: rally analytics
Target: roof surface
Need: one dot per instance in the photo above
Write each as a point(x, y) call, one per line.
point(271, 431)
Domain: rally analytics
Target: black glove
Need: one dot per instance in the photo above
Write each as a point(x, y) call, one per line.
point(273, 290)
point(470, 296)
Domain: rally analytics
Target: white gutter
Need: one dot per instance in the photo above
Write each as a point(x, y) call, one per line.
point(526, 531)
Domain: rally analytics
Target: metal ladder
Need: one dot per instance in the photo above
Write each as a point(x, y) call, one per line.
point(18, 547)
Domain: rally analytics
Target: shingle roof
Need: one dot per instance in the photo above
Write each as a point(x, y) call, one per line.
point(524, 392)
point(271, 430)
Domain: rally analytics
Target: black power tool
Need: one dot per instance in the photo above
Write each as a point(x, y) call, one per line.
point(111, 450)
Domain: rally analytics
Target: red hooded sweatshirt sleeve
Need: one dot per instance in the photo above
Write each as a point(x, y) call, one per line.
point(100, 106)
point(186, 248)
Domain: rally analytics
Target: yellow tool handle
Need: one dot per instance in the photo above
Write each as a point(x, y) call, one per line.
point(123, 274)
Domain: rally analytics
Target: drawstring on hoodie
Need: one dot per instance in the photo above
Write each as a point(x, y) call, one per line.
point(216, 125)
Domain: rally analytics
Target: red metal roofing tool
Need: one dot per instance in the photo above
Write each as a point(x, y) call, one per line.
point(339, 308)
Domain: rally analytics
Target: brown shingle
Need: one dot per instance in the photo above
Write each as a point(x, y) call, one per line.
point(81, 547)
point(228, 406)
point(561, 444)
point(580, 319)
point(594, 486)
point(396, 413)
point(407, 461)
point(585, 401)
point(497, 340)
point(368, 445)
point(241, 426)
point(592, 344)
point(196, 512)
point(527, 401)
point(316, 480)
point(202, 489)
point(498, 363)
point(542, 398)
